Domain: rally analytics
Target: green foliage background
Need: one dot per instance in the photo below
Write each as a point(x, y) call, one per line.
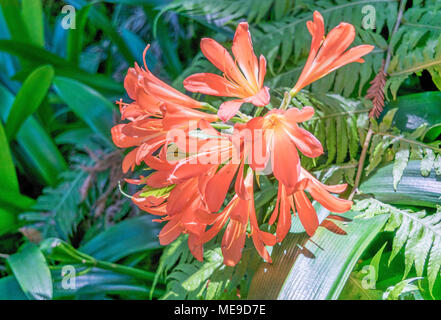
point(62, 197)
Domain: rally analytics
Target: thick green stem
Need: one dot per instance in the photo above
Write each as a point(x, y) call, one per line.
point(137, 273)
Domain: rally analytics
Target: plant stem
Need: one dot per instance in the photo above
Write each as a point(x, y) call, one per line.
point(137, 273)
point(361, 161)
point(370, 131)
point(286, 100)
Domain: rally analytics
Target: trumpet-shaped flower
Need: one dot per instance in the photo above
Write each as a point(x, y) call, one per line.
point(243, 80)
point(281, 137)
point(328, 53)
point(296, 200)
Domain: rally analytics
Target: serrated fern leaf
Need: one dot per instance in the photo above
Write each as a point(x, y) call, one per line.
point(57, 207)
point(418, 232)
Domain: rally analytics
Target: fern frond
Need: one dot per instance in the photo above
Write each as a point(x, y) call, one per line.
point(418, 232)
point(416, 46)
point(56, 212)
point(388, 144)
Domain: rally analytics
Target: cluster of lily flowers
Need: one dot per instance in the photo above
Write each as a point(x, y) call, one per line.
point(195, 164)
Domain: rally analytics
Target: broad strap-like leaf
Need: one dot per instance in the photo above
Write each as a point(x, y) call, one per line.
point(29, 98)
point(32, 272)
point(305, 269)
point(413, 188)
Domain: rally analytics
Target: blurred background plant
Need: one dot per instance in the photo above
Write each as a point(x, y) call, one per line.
point(64, 209)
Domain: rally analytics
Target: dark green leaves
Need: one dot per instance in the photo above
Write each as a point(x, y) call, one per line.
point(32, 272)
point(130, 236)
point(88, 104)
point(28, 99)
point(415, 110)
point(38, 56)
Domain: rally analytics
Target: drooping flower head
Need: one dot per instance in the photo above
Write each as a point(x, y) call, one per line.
point(328, 53)
point(196, 167)
point(243, 80)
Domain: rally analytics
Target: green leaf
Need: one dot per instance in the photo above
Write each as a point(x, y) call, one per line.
point(37, 282)
point(28, 99)
point(14, 199)
point(7, 169)
point(394, 292)
point(413, 189)
point(127, 237)
point(59, 250)
point(10, 289)
point(32, 12)
point(375, 262)
point(16, 25)
point(400, 163)
point(316, 269)
point(418, 232)
point(415, 110)
point(7, 221)
point(38, 56)
point(76, 36)
point(36, 150)
point(100, 20)
point(88, 104)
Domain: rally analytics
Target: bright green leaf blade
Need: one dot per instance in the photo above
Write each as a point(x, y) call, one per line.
point(87, 104)
point(32, 272)
point(36, 149)
point(13, 199)
point(413, 189)
point(127, 237)
point(319, 270)
point(14, 19)
point(7, 221)
point(7, 169)
point(28, 99)
point(32, 13)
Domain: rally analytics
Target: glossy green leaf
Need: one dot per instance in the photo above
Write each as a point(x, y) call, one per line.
point(10, 289)
point(36, 149)
point(417, 109)
point(88, 104)
point(127, 237)
point(28, 99)
point(97, 282)
point(15, 200)
point(76, 36)
point(14, 19)
point(413, 188)
point(316, 269)
point(36, 282)
point(7, 169)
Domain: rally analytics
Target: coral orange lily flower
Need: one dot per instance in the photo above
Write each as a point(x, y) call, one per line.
point(328, 53)
point(244, 81)
point(283, 136)
point(237, 214)
point(292, 199)
point(150, 92)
